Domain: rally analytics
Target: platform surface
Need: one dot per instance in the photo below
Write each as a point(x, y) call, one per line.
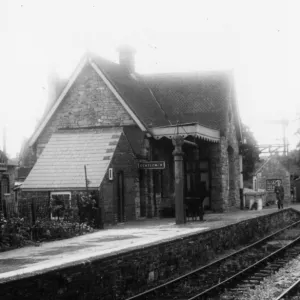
point(123, 237)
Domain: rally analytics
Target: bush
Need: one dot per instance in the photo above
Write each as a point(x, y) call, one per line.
point(57, 207)
point(87, 210)
point(58, 229)
point(16, 232)
point(13, 233)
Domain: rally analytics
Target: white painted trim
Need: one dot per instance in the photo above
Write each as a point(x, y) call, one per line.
point(57, 103)
point(185, 130)
point(117, 95)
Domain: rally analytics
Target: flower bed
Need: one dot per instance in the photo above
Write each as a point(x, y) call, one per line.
point(18, 232)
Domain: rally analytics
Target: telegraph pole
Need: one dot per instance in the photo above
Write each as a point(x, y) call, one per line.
point(86, 181)
point(4, 140)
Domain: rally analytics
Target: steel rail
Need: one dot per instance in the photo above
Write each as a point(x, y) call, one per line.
point(221, 285)
point(154, 290)
point(288, 291)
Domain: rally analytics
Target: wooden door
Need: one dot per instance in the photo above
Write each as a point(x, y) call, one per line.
point(120, 197)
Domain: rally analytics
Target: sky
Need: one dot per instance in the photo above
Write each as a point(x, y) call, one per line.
point(258, 40)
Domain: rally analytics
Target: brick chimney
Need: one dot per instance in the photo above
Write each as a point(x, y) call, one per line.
point(126, 57)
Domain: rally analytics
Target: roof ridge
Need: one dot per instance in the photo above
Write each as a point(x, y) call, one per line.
point(194, 72)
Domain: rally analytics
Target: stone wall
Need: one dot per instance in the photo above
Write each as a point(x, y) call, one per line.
point(88, 103)
point(124, 160)
point(216, 177)
point(274, 169)
point(229, 167)
point(127, 273)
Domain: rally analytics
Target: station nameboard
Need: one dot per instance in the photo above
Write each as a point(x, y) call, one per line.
point(152, 165)
point(271, 183)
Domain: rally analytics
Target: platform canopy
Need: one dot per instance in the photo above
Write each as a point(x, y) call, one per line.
point(61, 164)
point(185, 130)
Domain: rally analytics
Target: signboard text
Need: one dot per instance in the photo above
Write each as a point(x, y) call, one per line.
point(154, 165)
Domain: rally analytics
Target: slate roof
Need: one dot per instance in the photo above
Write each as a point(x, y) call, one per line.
point(164, 99)
point(135, 138)
point(192, 97)
point(61, 164)
point(160, 100)
point(134, 91)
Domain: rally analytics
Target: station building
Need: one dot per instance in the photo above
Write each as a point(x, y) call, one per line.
point(143, 143)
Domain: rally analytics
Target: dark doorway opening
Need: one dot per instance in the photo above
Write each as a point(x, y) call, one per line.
point(197, 183)
point(120, 196)
point(4, 189)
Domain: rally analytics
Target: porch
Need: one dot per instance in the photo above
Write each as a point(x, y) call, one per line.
point(201, 170)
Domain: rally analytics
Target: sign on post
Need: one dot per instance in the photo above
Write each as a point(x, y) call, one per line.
point(152, 165)
point(271, 183)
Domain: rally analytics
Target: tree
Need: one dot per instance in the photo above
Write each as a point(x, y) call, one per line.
point(249, 151)
point(26, 156)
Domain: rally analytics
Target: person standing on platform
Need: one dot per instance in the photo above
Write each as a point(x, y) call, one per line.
point(279, 190)
point(202, 193)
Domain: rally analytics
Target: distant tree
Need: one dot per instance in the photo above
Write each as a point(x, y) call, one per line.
point(26, 156)
point(249, 152)
point(292, 163)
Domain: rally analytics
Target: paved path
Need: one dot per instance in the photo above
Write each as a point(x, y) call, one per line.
point(110, 241)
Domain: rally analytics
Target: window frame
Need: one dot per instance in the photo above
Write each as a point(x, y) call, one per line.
point(61, 193)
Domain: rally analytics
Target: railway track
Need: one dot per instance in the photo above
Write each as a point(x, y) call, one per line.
point(291, 293)
point(209, 281)
point(250, 277)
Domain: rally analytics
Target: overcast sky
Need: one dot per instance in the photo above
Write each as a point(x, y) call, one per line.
point(259, 40)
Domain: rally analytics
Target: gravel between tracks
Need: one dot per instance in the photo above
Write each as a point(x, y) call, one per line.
point(272, 286)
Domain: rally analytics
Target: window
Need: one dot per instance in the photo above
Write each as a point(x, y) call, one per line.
point(60, 199)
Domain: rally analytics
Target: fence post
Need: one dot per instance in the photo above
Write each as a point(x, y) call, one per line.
point(33, 212)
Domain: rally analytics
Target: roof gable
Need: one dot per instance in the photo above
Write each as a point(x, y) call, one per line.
point(133, 89)
point(272, 159)
point(83, 63)
point(161, 99)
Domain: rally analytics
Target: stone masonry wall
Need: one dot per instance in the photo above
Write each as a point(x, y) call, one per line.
point(127, 273)
point(230, 193)
point(123, 160)
point(216, 177)
point(89, 102)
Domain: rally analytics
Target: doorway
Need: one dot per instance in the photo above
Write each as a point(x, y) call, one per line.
point(197, 174)
point(4, 189)
point(120, 197)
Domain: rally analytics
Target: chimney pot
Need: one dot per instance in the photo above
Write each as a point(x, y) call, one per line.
point(126, 57)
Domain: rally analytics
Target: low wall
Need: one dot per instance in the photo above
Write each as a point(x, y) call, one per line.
point(127, 273)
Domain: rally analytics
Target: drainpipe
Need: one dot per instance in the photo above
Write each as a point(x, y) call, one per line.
point(241, 182)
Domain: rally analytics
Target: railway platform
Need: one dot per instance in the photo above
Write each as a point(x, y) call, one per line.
point(113, 240)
